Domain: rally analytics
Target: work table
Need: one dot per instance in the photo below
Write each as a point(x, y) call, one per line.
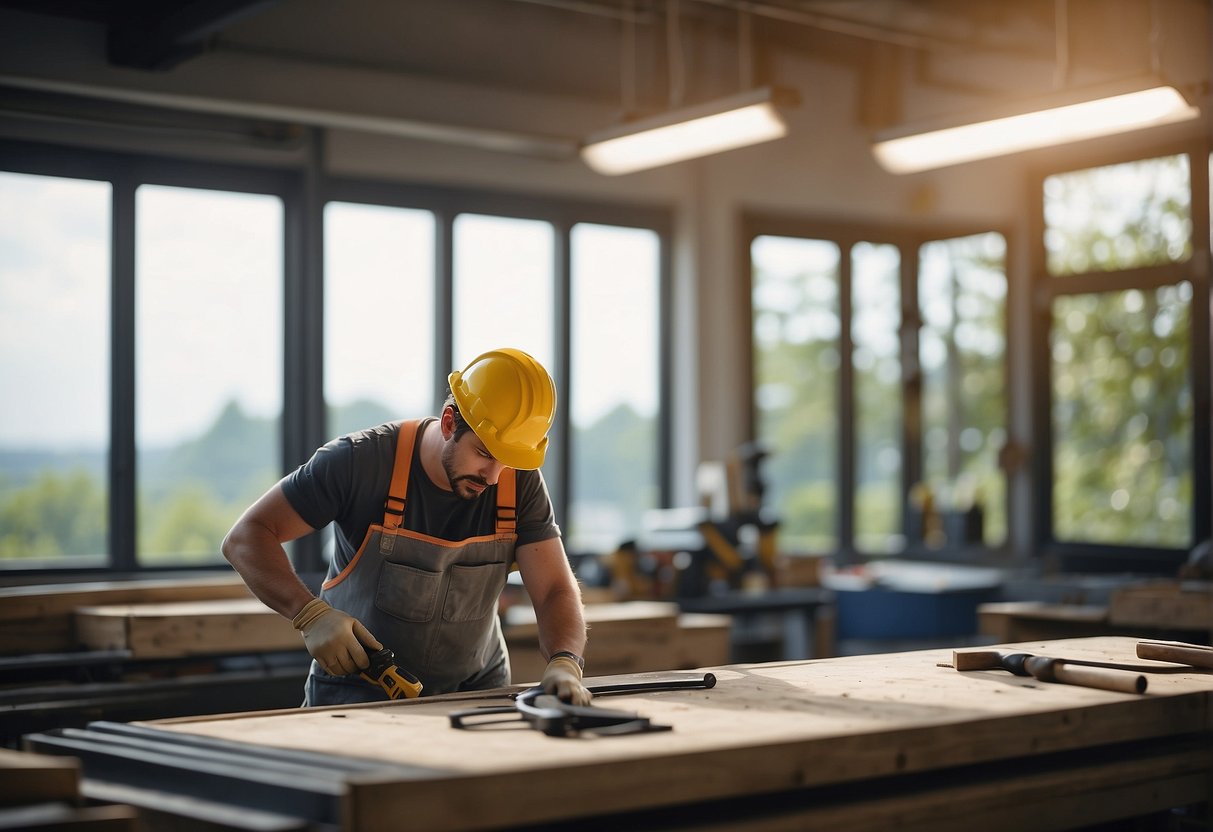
point(876, 739)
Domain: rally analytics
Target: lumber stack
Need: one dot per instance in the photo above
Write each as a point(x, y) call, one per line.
point(39, 791)
point(626, 637)
point(40, 619)
point(185, 628)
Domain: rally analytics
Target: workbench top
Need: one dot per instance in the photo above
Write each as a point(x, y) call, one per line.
point(762, 728)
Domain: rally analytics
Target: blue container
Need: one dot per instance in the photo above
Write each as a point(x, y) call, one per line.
point(880, 613)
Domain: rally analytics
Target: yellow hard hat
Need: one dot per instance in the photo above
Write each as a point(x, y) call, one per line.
point(509, 401)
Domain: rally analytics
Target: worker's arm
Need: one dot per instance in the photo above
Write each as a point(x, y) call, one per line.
point(558, 611)
point(254, 548)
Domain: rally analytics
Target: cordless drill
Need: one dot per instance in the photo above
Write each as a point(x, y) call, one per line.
point(384, 672)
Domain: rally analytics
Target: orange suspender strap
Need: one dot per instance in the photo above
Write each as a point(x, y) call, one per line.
point(507, 511)
point(393, 506)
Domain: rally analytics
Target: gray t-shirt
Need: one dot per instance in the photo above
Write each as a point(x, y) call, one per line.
point(347, 481)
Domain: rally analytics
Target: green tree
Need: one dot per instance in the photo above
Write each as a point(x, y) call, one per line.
point(615, 465)
point(184, 525)
point(60, 514)
point(1122, 406)
point(796, 377)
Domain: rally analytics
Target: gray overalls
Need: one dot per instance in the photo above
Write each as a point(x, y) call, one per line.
point(432, 601)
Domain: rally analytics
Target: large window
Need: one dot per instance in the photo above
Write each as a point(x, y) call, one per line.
point(504, 287)
point(615, 323)
point(379, 315)
point(1122, 417)
point(172, 342)
point(796, 363)
point(1118, 241)
point(962, 290)
point(390, 321)
point(54, 370)
point(208, 322)
point(876, 356)
point(883, 418)
point(155, 321)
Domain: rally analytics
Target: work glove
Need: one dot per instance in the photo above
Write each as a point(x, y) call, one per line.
point(562, 678)
point(335, 640)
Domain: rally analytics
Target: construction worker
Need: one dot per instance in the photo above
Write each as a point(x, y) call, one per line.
point(431, 516)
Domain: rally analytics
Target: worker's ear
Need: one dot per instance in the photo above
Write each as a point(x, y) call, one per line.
point(448, 422)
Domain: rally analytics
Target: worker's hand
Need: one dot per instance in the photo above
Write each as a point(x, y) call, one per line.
point(334, 639)
point(563, 679)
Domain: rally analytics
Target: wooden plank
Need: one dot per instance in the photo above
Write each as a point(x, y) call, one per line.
point(703, 641)
point(763, 728)
point(1105, 789)
point(1164, 605)
point(1033, 620)
point(36, 778)
point(43, 600)
point(626, 616)
point(37, 635)
point(646, 638)
point(38, 618)
point(186, 628)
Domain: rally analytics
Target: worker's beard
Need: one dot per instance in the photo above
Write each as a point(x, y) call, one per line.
point(460, 484)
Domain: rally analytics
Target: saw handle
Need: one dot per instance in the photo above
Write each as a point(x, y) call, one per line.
point(1103, 678)
point(1175, 651)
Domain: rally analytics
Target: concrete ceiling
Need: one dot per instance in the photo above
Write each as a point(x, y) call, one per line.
point(602, 49)
point(631, 57)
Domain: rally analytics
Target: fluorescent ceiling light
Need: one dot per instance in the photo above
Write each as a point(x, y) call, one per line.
point(749, 118)
point(1114, 111)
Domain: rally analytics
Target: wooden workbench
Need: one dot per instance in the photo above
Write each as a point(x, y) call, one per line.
point(863, 742)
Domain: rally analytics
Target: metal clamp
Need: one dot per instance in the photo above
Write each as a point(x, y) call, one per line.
point(555, 718)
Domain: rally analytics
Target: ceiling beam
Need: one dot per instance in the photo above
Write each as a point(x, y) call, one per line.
point(176, 35)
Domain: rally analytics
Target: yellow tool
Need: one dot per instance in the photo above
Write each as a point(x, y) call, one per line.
point(384, 672)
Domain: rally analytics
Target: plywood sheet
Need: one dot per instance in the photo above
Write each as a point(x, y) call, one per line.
point(763, 728)
point(186, 628)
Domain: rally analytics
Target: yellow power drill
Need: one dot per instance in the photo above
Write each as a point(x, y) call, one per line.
point(384, 672)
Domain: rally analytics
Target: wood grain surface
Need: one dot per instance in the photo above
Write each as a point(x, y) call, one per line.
point(39, 618)
point(763, 728)
point(186, 628)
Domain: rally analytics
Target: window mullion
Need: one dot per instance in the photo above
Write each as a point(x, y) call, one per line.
point(122, 464)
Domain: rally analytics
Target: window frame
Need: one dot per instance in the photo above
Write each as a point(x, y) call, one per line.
point(304, 192)
point(126, 172)
point(908, 240)
point(447, 203)
point(1045, 288)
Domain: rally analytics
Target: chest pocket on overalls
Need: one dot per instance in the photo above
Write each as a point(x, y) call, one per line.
point(407, 593)
point(473, 590)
